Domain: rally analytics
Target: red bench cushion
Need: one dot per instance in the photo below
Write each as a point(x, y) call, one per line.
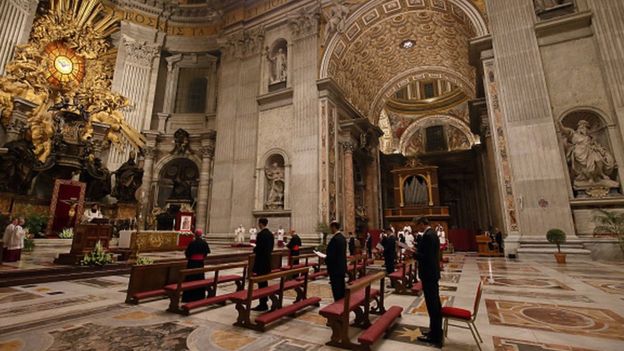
point(206, 302)
point(456, 313)
point(380, 326)
point(398, 274)
point(202, 283)
point(417, 288)
point(284, 311)
point(264, 292)
point(337, 308)
point(148, 294)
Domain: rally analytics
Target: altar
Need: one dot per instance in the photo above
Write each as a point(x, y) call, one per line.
point(153, 240)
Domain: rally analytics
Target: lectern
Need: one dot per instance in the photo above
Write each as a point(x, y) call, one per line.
point(85, 238)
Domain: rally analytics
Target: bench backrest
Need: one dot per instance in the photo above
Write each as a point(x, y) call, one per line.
point(282, 276)
point(363, 283)
point(213, 268)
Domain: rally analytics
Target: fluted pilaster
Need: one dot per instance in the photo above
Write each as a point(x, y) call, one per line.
point(349, 187)
point(16, 19)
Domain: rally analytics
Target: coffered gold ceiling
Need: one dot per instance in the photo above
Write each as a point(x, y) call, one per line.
point(368, 63)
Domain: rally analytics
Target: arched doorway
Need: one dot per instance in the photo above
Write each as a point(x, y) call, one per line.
point(405, 67)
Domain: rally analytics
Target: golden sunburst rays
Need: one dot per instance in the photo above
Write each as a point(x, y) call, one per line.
point(86, 13)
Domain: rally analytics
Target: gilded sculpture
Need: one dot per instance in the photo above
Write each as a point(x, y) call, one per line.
point(67, 57)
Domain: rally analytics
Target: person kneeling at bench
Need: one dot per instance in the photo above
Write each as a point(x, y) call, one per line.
point(195, 253)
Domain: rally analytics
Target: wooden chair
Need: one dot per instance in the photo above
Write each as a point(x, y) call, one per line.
point(464, 316)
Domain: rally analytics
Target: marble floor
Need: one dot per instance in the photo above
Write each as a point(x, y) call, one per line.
point(526, 306)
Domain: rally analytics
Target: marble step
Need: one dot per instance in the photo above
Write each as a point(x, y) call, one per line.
point(549, 245)
point(52, 242)
point(547, 253)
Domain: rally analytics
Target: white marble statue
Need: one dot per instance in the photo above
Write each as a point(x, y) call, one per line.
point(591, 163)
point(275, 178)
point(279, 66)
point(239, 234)
point(252, 234)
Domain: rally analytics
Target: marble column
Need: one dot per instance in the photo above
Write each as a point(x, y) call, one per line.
point(149, 152)
point(135, 78)
point(535, 169)
point(349, 190)
point(16, 19)
point(207, 153)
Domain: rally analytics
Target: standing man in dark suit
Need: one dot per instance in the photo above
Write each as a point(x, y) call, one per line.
point(351, 244)
point(262, 263)
point(389, 252)
point(429, 272)
point(336, 261)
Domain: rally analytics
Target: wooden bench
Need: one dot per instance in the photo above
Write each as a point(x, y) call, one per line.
point(403, 278)
point(357, 299)
point(275, 292)
point(356, 266)
point(483, 247)
point(174, 291)
point(307, 262)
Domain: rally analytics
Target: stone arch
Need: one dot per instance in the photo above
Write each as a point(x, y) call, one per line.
point(417, 73)
point(364, 53)
point(468, 8)
point(435, 120)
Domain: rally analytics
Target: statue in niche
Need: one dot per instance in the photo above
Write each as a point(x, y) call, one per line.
point(415, 191)
point(181, 189)
point(545, 5)
point(279, 66)
point(275, 178)
point(182, 142)
point(128, 178)
point(591, 163)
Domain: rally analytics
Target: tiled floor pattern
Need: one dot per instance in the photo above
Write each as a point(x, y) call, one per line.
point(526, 306)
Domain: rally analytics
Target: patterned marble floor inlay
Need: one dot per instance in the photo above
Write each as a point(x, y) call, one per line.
point(14, 295)
point(521, 282)
point(608, 286)
point(168, 336)
point(504, 344)
point(539, 295)
point(99, 282)
point(50, 305)
point(408, 334)
point(557, 318)
point(419, 307)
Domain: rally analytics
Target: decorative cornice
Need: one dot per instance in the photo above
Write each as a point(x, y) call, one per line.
point(140, 52)
point(244, 43)
point(28, 6)
point(305, 22)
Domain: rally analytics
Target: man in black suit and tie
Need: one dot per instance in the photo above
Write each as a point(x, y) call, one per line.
point(429, 272)
point(336, 261)
point(262, 263)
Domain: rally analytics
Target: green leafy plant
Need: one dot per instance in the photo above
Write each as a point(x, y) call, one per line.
point(97, 257)
point(35, 222)
point(29, 243)
point(67, 233)
point(610, 223)
point(143, 261)
point(557, 237)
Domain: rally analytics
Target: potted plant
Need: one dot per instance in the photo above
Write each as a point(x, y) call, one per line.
point(557, 237)
point(97, 257)
point(610, 223)
point(67, 233)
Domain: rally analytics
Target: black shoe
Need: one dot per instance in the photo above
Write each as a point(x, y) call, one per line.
point(260, 308)
point(429, 340)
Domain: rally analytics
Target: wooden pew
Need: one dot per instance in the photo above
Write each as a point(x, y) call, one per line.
point(174, 291)
point(356, 266)
point(304, 261)
point(357, 299)
point(275, 292)
point(403, 278)
point(147, 282)
point(483, 247)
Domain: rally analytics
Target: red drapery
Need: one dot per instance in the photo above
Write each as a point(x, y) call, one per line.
point(462, 239)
